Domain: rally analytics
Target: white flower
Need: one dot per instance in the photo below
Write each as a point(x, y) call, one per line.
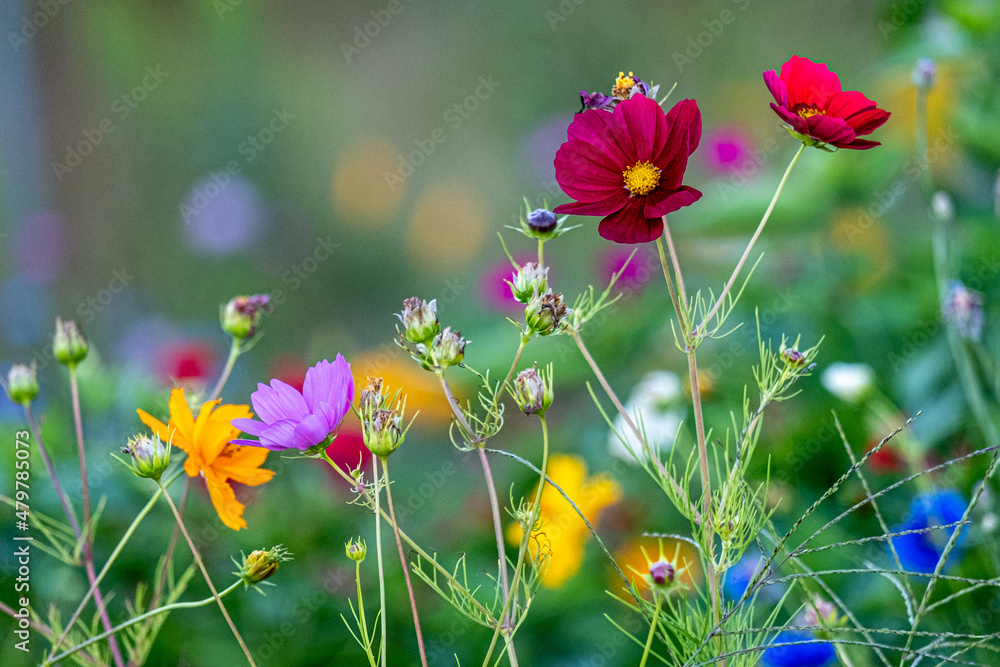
point(849, 382)
point(655, 409)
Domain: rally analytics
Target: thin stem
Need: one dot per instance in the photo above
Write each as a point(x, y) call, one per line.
point(378, 552)
point(361, 614)
point(234, 353)
point(541, 253)
point(88, 562)
point(668, 279)
point(143, 617)
point(111, 559)
point(443, 571)
point(700, 329)
point(652, 630)
point(208, 579)
point(78, 423)
point(536, 510)
point(171, 547)
point(405, 564)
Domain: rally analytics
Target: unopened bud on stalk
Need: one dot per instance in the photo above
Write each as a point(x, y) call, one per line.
point(419, 318)
point(542, 221)
point(924, 74)
point(261, 565)
point(533, 391)
point(448, 347)
point(545, 312)
point(529, 280)
point(356, 550)
point(69, 346)
point(793, 358)
point(241, 316)
point(942, 206)
point(22, 384)
point(662, 573)
point(150, 456)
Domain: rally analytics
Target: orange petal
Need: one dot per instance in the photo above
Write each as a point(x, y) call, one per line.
point(180, 415)
point(242, 464)
point(217, 430)
point(158, 427)
point(203, 417)
point(229, 509)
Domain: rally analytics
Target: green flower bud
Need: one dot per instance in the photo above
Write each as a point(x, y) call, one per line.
point(372, 397)
point(382, 432)
point(533, 391)
point(793, 358)
point(69, 345)
point(545, 312)
point(529, 280)
point(241, 316)
point(448, 347)
point(419, 318)
point(22, 384)
point(150, 456)
point(356, 550)
point(261, 565)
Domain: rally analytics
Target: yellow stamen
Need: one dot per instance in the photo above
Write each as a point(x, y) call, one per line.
point(623, 85)
point(641, 178)
point(808, 112)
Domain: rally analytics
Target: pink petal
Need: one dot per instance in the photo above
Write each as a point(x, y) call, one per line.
point(313, 429)
point(777, 87)
point(829, 129)
point(808, 82)
point(629, 225)
point(251, 426)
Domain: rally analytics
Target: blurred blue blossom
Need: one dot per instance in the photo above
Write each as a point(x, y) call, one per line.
point(818, 654)
point(920, 552)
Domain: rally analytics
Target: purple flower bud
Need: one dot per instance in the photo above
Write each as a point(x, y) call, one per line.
point(924, 74)
point(964, 307)
point(793, 358)
point(662, 573)
point(242, 314)
point(542, 220)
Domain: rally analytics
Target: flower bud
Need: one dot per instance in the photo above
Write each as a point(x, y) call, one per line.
point(924, 74)
point(661, 573)
point(242, 314)
point(372, 397)
point(22, 384)
point(448, 347)
point(533, 391)
point(419, 318)
point(545, 312)
point(793, 358)
point(964, 308)
point(356, 550)
point(542, 221)
point(261, 564)
point(382, 433)
point(530, 279)
point(150, 456)
point(821, 613)
point(69, 345)
point(942, 206)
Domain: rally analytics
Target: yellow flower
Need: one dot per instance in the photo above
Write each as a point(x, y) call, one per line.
point(206, 441)
point(561, 531)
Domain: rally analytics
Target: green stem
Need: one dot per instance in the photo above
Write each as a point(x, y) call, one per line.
point(234, 353)
point(541, 253)
point(111, 559)
point(700, 329)
point(405, 564)
point(171, 547)
point(523, 551)
point(142, 617)
point(652, 630)
point(378, 552)
point(361, 613)
point(452, 581)
point(208, 579)
point(88, 562)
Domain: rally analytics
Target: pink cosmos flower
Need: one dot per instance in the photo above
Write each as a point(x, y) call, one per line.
point(300, 420)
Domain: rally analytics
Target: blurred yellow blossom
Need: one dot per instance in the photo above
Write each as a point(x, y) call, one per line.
point(561, 530)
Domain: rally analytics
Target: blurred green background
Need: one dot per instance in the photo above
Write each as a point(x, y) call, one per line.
point(157, 159)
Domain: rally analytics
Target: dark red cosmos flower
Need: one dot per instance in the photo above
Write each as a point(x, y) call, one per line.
point(808, 97)
point(628, 165)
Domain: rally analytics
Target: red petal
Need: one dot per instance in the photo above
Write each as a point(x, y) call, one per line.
point(830, 129)
point(634, 126)
point(629, 225)
point(594, 127)
point(847, 104)
point(777, 87)
point(663, 201)
point(808, 82)
point(797, 122)
point(859, 144)
point(869, 121)
point(686, 114)
point(603, 207)
point(685, 130)
point(581, 177)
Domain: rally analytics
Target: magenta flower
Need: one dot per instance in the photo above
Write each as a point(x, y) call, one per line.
point(294, 420)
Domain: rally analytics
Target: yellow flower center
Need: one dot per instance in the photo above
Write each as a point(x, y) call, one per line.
point(623, 85)
point(808, 112)
point(641, 178)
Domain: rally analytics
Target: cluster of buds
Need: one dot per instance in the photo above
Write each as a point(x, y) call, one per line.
point(381, 419)
point(356, 550)
point(623, 88)
point(242, 315)
point(69, 346)
point(261, 564)
point(529, 280)
point(22, 384)
point(435, 348)
point(541, 223)
point(545, 313)
point(150, 456)
point(533, 390)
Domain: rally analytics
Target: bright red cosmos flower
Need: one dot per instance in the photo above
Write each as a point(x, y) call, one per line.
point(808, 97)
point(628, 165)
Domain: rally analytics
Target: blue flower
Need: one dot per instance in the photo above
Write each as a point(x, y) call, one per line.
point(739, 576)
point(920, 552)
point(817, 654)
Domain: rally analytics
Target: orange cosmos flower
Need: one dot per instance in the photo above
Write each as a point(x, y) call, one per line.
point(206, 441)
